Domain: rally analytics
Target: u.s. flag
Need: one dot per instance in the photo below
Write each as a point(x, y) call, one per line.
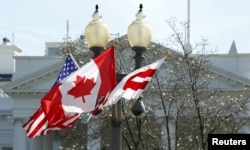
point(69, 66)
point(38, 124)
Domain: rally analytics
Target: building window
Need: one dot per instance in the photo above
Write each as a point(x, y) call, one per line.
point(7, 148)
point(54, 51)
point(5, 77)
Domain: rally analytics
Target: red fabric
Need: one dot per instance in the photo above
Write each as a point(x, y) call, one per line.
point(138, 85)
point(28, 125)
point(53, 95)
point(132, 85)
point(106, 70)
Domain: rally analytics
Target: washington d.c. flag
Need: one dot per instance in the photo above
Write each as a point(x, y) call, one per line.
point(131, 86)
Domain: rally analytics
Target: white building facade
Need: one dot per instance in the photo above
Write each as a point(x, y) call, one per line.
point(23, 81)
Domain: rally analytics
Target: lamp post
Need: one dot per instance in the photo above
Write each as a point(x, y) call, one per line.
point(139, 36)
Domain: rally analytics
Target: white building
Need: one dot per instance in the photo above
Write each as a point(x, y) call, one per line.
point(25, 79)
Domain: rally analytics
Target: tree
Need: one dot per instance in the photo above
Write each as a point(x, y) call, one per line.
point(193, 106)
point(78, 48)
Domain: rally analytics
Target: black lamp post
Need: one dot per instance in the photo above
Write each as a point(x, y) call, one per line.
point(139, 37)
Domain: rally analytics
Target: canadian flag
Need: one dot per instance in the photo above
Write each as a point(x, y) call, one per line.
point(131, 86)
point(78, 92)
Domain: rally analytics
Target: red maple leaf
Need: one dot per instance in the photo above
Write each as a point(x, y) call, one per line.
point(83, 86)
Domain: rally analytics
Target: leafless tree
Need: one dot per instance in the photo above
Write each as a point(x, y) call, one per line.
point(192, 101)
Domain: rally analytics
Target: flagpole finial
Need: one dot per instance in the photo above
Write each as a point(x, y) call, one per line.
point(68, 51)
point(141, 6)
point(167, 53)
point(96, 8)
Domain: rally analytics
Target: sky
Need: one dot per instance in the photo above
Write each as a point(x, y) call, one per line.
point(31, 23)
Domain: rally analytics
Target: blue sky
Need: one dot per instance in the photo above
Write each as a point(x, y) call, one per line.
point(35, 22)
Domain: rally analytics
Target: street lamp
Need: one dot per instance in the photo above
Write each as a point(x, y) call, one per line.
point(139, 36)
point(97, 33)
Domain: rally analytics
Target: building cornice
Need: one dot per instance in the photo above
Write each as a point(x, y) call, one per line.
point(26, 92)
point(17, 84)
point(229, 75)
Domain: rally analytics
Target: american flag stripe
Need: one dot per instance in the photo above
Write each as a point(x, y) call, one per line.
point(62, 124)
point(38, 124)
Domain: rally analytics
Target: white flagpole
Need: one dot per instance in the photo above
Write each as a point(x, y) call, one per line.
point(188, 22)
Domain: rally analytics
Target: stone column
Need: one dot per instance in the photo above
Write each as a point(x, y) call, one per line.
point(92, 141)
point(19, 135)
point(36, 143)
point(56, 144)
point(48, 142)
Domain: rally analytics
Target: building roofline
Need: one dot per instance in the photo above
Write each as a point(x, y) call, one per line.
point(33, 76)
